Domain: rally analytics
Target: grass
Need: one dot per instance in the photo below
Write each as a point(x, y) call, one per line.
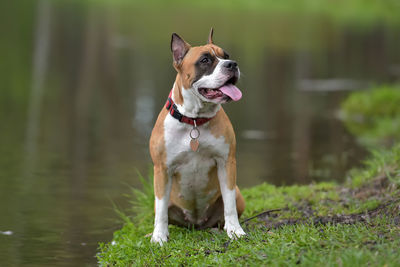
point(350, 224)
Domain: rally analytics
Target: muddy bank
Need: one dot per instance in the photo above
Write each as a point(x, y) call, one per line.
point(379, 191)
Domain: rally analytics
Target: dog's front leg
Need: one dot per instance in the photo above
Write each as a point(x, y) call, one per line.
point(227, 181)
point(162, 190)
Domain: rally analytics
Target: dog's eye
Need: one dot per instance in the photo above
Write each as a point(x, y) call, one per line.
point(205, 60)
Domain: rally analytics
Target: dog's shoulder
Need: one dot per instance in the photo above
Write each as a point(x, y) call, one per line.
point(157, 140)
point(220, 125)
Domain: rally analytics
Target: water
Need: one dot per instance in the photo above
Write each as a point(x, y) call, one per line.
point(82, 85)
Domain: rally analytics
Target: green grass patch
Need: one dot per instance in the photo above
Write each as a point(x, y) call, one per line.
point(353, 224)
point(307, 245)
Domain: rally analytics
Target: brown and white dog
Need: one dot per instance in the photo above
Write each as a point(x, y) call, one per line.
point(193, 144)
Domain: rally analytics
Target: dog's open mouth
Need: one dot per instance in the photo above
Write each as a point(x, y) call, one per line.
point(227, 91)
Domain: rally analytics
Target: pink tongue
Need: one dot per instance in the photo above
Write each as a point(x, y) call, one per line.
point(231, 91)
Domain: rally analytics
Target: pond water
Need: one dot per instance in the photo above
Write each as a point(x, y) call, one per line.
point(82, 85)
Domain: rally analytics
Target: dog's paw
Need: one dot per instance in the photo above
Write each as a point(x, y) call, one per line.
point(234, 231)
point(159, 236)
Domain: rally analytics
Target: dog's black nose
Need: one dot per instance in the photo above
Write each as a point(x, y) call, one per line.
point(231, 65)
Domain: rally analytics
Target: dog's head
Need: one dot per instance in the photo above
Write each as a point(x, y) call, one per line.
point(206, 70)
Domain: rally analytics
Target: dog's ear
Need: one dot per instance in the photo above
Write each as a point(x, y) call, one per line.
point(179, 48)
point(210, 36)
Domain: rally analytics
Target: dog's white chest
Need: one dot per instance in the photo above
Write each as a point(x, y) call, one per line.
point(192, 166)
point(177, 142)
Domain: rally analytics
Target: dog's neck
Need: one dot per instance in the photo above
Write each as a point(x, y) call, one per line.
point(189, 104)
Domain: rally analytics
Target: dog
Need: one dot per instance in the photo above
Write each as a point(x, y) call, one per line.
point(193, 144)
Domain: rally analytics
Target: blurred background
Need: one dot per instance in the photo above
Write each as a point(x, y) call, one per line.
point(82, 83)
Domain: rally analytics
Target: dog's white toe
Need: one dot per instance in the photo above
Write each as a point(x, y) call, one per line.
point(234, 231)
point(159, 236)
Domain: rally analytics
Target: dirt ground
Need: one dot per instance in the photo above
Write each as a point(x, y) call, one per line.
point(379, 189)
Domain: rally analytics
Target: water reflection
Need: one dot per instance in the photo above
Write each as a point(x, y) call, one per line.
point(85, 82)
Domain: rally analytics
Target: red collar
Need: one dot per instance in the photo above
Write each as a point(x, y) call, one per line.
point(173, 110)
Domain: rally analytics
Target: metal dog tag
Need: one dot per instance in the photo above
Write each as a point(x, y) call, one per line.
point(194, 135)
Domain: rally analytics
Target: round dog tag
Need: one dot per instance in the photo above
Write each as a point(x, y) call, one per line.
point(194, 135)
